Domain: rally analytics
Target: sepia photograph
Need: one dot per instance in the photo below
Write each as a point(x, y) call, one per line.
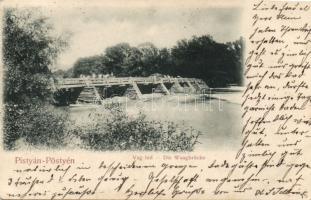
point(144, 99)
point(120, 78)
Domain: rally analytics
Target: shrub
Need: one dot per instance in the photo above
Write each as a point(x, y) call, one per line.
point(111, 129)
point(116, 130)
point(38, 125)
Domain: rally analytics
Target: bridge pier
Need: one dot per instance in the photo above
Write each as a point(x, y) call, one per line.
point(202, 87)
point(196, 87)
point(164, 89)
point(89, 94)
point(191, 86)
point(136, 88)
point(98, 97)
point(177, 88)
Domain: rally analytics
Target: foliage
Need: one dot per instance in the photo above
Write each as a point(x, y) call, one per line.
point(38, 125)
point(63, 73)
point(149, 58)
point(201, 57)
point(118, 131)
point(29, 49)
point(89, 65)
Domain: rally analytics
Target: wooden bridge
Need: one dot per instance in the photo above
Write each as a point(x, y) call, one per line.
point(95, 90)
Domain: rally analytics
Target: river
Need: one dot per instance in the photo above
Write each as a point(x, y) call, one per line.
point(218, 118)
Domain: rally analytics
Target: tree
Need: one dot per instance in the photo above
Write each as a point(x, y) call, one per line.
point(29, 50)
point(218, 64)
point(149, 58)
point(165, 62)
point(123, 60)
point(202, 57)
point(90, 65)
point(236, 50)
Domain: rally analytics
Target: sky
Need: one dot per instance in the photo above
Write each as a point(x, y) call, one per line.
point(93, 29)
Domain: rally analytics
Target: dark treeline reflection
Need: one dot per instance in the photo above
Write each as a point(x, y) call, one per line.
point(218, 64)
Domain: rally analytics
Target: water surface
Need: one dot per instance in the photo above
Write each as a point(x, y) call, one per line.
point(218, 119)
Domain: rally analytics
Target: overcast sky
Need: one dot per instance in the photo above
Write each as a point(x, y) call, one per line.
point(94, 29)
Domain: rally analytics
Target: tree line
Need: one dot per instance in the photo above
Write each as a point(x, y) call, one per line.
point(218, 64)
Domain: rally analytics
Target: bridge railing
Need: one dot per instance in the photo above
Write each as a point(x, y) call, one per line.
point(121, 80)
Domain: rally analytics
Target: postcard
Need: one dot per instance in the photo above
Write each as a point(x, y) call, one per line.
point(141, 99)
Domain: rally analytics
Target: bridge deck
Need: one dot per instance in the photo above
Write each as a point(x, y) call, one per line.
point(82, 82)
